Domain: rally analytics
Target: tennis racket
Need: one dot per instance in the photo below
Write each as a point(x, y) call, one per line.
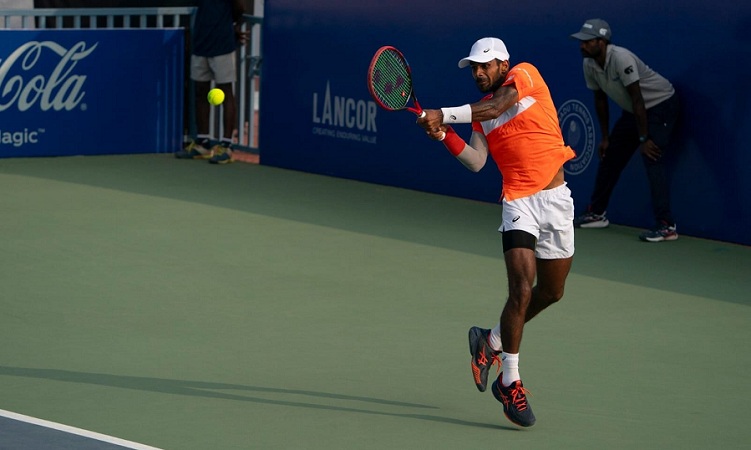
point(390, 82)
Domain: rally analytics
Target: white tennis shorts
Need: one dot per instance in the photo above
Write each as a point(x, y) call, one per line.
point(220, 68)
point(547, 215)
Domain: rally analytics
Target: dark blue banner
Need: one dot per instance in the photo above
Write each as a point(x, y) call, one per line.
point(87, 92)
point(318, 116)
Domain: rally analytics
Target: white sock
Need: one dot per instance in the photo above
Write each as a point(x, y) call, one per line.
point(510, 368)
point(495, 338)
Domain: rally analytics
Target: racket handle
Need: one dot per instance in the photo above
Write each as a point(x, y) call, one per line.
point(422, 114)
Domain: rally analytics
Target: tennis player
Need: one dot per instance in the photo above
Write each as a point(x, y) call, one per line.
point(517, 123)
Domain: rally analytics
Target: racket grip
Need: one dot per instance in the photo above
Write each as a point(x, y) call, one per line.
point(422, 114)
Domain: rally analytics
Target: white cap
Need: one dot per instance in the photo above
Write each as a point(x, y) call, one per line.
point(485, 50)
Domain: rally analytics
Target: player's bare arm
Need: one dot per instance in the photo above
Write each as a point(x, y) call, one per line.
point(504, 98)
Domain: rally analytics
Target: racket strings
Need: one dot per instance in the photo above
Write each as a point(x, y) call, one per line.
point(391, 80)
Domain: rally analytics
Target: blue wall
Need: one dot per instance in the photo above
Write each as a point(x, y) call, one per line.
point(318, 116)
point(92, 91)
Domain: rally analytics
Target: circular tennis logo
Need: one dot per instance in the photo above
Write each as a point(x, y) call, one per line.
point(578, 133)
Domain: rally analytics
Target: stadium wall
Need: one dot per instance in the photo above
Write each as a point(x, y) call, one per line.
point(318, 116)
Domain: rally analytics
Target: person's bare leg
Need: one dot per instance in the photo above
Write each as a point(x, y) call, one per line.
point(202, 107)
point(551, 281)
point(521, 268)
point(229, 109)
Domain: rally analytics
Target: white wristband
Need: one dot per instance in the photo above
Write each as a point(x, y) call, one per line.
point(460, 114)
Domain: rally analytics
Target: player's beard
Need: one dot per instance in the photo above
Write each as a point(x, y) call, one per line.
point(493, 86)
point(498, 83)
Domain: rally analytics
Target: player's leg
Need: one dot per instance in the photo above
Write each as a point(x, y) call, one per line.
point(508, 388)
point(548, 260)
point(485, 345)
point(524, 303)
point(554, 250)
point(519, 232)
point(521, 268)
point(551, 281)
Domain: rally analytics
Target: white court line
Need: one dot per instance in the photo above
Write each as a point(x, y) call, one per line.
point(76, 431)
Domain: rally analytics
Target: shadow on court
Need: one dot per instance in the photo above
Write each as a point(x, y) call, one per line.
point(213, 391)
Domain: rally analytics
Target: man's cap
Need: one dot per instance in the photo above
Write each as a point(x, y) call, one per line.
point(592, 29)
point(485, 50)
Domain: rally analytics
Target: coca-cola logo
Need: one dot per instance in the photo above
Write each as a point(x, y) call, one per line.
point(62, 89)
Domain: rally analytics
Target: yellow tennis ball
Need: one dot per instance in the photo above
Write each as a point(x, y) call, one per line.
point(216, 96)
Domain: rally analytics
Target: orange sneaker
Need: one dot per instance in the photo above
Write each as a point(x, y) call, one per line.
point(483, 356)
point(515, 404)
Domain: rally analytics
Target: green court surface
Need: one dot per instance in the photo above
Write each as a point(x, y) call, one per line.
point(188, 306)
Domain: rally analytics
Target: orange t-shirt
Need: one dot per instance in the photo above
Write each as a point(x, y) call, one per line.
point(526, 141)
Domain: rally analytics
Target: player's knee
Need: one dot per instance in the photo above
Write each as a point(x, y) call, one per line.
point(520, 295)
point(551, 295)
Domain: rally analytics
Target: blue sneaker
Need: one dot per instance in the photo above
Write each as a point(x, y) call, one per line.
point(514, 399)
point(222, 154)
point(591, 220)
point(663, 232)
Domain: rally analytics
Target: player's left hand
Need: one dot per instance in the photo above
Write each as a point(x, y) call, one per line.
point(651, 150)
point(437, 134)
point(432, 120)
